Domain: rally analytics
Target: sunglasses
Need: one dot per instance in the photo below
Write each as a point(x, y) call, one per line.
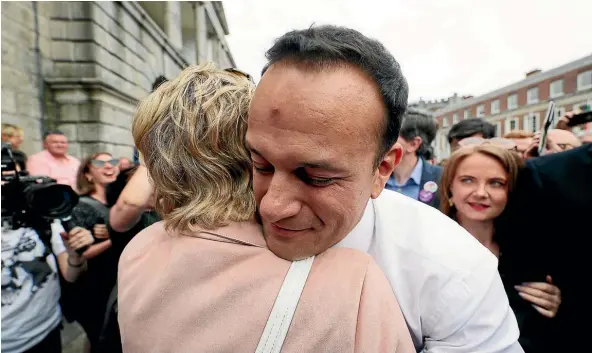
point(240, 73)
point(496, 141)
point(100, 164)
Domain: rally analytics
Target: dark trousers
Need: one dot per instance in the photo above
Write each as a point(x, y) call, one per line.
point(52, 343)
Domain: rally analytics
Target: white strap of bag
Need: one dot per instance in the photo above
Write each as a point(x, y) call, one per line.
point(284, 307)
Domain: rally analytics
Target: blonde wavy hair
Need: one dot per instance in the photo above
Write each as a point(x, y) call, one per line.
point(191, 135)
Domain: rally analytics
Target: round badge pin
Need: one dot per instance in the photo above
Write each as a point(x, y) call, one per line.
point(426, 196)
point(431, 187)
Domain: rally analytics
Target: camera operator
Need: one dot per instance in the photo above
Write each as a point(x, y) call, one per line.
point(32, 253)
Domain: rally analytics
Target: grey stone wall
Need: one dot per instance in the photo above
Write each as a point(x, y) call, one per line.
point(98, 59)
point(20, 83)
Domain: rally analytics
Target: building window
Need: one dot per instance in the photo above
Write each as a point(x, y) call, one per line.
point(531, 122)
point(511, 124)
point(444, 121)
point(532, 95)
point(454, 118)
point(512, 101)
point(480, 111)
point(585, 80)
point(467, 114)
point(556, 88)
point(495, 107)
point(498, 129)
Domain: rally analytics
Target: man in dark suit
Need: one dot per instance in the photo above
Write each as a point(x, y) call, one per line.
point(547, 232)
point(414, 176)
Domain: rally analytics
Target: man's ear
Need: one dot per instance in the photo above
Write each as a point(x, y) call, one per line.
point(385, 169)
point(417, 141)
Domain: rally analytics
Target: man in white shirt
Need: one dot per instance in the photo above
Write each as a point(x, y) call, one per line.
point(322, 131)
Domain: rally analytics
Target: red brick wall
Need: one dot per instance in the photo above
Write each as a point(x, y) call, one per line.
point(569, 87)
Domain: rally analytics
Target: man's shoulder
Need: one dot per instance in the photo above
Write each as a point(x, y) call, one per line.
point(37, 156)
point(554, 162)
point(73, 159)
point(420, 231)
point(433, 171)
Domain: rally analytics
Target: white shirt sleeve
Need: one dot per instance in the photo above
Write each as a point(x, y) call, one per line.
point(57, 243)
point(473, 317)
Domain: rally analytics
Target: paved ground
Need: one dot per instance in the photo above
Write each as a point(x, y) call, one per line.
point(73, 338)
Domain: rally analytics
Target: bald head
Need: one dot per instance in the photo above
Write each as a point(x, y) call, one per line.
point(564, 139)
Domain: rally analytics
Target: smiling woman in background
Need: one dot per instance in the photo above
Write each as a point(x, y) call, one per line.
point(88, 297)
point(475, 187)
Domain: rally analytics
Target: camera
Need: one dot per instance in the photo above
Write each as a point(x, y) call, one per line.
point(33, 201)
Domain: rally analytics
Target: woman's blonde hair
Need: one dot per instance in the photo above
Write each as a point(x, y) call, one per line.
point(83, 185)
point(191, 135)
point(10, 130)
point(510, 161)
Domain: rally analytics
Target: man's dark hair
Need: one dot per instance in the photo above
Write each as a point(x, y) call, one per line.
point(330, 46)
point(159, 81)
point(52, 132)
point(470, 127)
point(416, 124)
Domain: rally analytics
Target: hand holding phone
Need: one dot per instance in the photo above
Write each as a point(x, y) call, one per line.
point(549, 118)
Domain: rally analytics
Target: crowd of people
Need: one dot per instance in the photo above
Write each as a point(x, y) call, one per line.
point(306, 214)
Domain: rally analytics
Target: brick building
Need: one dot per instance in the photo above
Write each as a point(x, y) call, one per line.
point(522, 105)
point(81, 67)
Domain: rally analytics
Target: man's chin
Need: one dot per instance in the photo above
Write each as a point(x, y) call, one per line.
point(290, 253)
point(290, 249)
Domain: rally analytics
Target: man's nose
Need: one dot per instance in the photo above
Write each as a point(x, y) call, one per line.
point(281, 199)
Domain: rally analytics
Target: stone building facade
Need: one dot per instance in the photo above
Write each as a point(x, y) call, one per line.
point(82, 67)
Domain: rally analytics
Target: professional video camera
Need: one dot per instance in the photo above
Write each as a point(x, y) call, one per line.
point(33, 201)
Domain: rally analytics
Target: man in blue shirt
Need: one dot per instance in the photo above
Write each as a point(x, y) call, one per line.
point(414, 177)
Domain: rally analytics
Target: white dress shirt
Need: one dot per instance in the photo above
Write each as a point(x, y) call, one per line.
point(446, 282)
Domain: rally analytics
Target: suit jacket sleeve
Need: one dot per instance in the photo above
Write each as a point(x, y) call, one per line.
point(381, 326)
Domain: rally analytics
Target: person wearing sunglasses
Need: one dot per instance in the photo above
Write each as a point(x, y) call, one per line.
point(476, 186)
point(87, 298)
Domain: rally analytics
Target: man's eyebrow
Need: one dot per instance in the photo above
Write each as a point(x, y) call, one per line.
point(322, 165)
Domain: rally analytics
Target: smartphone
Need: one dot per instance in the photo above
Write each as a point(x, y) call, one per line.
point(582, 118)
point(546, 126)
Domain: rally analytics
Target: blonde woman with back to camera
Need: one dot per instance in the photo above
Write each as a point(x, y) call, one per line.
point(203, 279)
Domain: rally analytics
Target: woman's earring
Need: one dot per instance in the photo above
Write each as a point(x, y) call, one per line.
point(90, 180)
point(450, 202)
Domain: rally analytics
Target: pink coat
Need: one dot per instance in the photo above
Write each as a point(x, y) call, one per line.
point(204, 293)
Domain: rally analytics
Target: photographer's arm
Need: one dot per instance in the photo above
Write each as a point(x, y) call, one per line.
point(136, 197)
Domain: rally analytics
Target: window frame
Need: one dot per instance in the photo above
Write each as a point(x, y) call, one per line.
point(495, 111)
point(515, 106)
point(480, 111)
point(580, 85)
point(528, 97)
point(560, 94)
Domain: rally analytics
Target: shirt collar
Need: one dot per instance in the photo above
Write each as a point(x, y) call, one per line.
point(417, 171)
point(246, 233)
point(415, 175)
point(361, 236)
point(49, 155)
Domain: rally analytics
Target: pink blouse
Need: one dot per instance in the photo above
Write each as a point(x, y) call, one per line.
point(207, 293)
